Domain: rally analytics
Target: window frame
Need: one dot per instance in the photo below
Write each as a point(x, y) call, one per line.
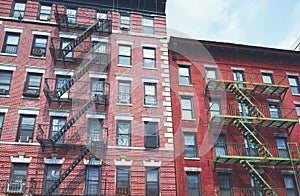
point(226, 177)
point(18, 11)
point(148, 29)
point(66, 78)
point(150, 59)
point(118, 135)
point(44, 14)
point(296, 87)
point(297, 107)
point(213, 102)
point(156, 182)
point(126, 57)
point(184, 77)
point(27, 85)
point(269, 75)
point(92, 182)
point(55, 128)
point(277, 107)
point(47, 181)
point(121, 91)
point(282, 149)
point(194, 186)
point(4, 91)
point(211, 69)
point(148, 96)
point(95, 134)
point(30, 138)
point(63, 43)
point(221, 145)
point(5, 44)
point(39, 51)
point(20, 166)
point(96, 90)
point(125, 22)
point(2, 116)
point(70, 17)
point(148, 136)
point(127, 182)
point(237, 76)
point(190, 151)
point(190, 110)
point(293, 190)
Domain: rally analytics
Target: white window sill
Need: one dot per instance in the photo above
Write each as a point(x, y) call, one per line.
point(192, 158)
point(295, 94)
point(120, 65)
point(189, 85)
point(31, 98)
point(125, 104)
point(151, 68)
point(7, 54)
point(150, 106)
point(4, 96)
point(37, 57)
point(193, 119)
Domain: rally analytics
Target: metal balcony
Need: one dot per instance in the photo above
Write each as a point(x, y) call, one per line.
point(16, 186)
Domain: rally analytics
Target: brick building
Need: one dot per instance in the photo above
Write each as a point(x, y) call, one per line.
point(85, 104)
point(235, 119)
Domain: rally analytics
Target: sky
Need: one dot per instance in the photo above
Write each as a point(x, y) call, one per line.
point(269, 23)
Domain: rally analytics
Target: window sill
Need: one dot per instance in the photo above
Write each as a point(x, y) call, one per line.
point(37, 57)
point(7, 54)
point(188, 85)
point(295, 94)
point(4, 96)
point(150, 106)
point(193, 119)
point(192, 158)
point(125, 104)
point(151, 68)
point(31, 98)
point(120, 65)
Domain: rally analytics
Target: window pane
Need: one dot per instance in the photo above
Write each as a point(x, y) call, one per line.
point(124, 50)
point(149, 53)
point(186, 104)
point(293, 81)
point(147, 22)
point(149, 90)
point(211, 74)
point(184, 71)
point(123, 127)
point(12, 40)
point(189, 140)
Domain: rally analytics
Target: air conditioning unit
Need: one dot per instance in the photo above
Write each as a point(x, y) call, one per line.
point(37, 52)
point(16, 187)
point(125, 27)
point(24, 139)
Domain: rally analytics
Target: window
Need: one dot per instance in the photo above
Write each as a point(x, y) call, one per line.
point(225, 184)
point(18, 9)
point(294, 84)
point(238, 76)
point(26, 128)
point(64, 43)
point(51, 175)
point(267, 78)
point(243, 109)
point(149, 57)
point(187, 108)
point(32, 85)
point(282, 148)
point(250, 148)
point(190, 146)
point(220, 145)
point(100, 53)
point(152, 182)
point(102, 16)
point(148, 26)
point(97, 88)
point(5, 79)
point(256, 189)
point(39, 46)
point(124, 92)
point(60, 81)
point(184, 75)
point(215, 107)
point(45, 12)
point(92, 179)
point(19, 172)
point(95, 133)
point(11, 43)
point(1, 123)
point(125, 22)
point(123, 181)
point(71, 14)
point(274, 110)
point(211, 73)
point(150, 94)
point(123, 133)
point(124, 55)
point(56, 124)
point(290, 185)
point(151, 135)
point(193, 183)
point(298, 111)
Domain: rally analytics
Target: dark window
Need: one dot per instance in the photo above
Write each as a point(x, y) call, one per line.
point(33, 85)
point(64, 42)
point(45, 12)
point(290, 185)
point(123, 181)
point(187, 108)
point(124, 22)
point(274, 110)
point(52, 173)
point(184, 75)
point(193, 183)
point(18, 9)
point(39, 46)
point(92, 179)
point(123, 133)
point(149, 57)
point(19, 172)
point(152, 182)
point(124, 55)
point(294, 84)
point(256, 189)
point(72, 15)
point(148, 26)
point(150, 94)
point(225, 184)
point(282, 148)
point(124, 92)
point(190, 145)
point(1, 122)
point(60, 81)
point(220, 145)
point(251, 150)
point(238, 76)
point(11, 43)
point(5, 79)
point(100, 53)
point(26, 128)
point(95, 130)
point(97, 89)
point(56, 124)
point(211, 73)
point(243, 109)
point(104, 23)
point(151, 135)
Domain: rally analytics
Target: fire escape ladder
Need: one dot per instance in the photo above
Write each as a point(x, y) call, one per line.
point(293, 152)
point(245, 100)
point(74, 79)
point(268, 190)
point(67, 171)
point(252, 138)
point(72, 120)
point(85, 34)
